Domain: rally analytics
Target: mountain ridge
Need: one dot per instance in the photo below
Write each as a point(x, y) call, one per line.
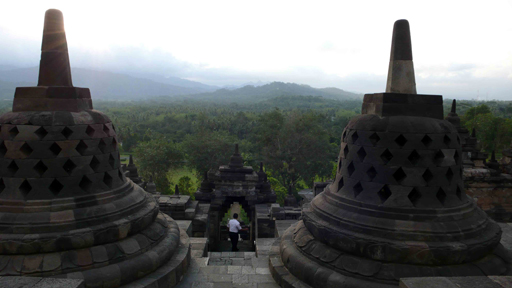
point(107, 85)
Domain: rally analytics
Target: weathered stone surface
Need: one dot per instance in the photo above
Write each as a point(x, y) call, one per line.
point(66, 208)
point(397, 208)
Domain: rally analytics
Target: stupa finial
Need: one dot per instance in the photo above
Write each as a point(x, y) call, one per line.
point(454, 106)
point(401, 69)
point(473, 133)
point(54, 68)
point(261, 166)
point(176, 190)
point(131, 160)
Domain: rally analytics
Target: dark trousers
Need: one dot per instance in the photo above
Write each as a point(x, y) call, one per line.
point(234, 240)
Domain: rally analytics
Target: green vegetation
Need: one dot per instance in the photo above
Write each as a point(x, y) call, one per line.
point(297, 137)
point(243, 217)
point(492, 123)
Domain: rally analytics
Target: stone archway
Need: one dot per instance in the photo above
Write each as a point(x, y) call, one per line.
point(233, 183)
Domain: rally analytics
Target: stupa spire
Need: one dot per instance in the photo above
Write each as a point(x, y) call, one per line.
point(454, 106)
point(236, 160)
point(176, 190)
point(401, 69)
point(54, 68)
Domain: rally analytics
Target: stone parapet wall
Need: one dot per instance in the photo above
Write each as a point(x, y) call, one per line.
point(492, 193)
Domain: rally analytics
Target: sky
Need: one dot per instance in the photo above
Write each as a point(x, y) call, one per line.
point(461, 49)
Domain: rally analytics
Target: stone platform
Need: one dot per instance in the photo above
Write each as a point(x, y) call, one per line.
point(285, 279)
point(243, 269)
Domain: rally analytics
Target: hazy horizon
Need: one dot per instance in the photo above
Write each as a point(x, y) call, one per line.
point(460, 50)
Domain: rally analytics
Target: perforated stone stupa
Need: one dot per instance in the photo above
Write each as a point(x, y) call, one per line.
point(66, 208)
point(397, 207)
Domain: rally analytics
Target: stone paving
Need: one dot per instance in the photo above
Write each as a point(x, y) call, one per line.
point(229, 269)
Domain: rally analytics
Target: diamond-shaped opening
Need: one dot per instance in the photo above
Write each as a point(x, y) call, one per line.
point(55, 187)
point(2, 185)
point(13, 168)
point(386, 156)
point(438, 157)
point(361, 154)
point(106, 129)
point(41, 132)
point(13, 132)
point(69, 166)
point(441, 195)
point(95, 163)
point(358, 188)
point(55, 148)
point(26, 149)
point(374, 138)
point(414, 157)
point(341, 183)
point(371, 173)
point(449, 174)
point(400, 140)
point(25, 188)
point(81, 147)
point(66, 132)
point(384, 193)
point(351, 169)
point(344, 135)
point(414, 196)
point(345, 151)
point(426, 140)
point(107, 179)
point(120, 174)
point(89, 130)
point(85, 184)
point(427, 176)
point(102, 145)
point(355, 137)
point(458, 139)
point(447, 140)
point(111, 161)
point(40, 168)
point(114, 143)
point(399, 175)
point(3, 149)
point(456, 157)
point(459, 193)
point(114, 127)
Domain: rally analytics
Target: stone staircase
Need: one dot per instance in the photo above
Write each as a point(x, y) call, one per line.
point(230, 269)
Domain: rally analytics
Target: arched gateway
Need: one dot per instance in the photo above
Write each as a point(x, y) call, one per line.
point(234, 183)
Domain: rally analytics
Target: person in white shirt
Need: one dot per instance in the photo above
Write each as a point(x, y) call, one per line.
point(234, 228)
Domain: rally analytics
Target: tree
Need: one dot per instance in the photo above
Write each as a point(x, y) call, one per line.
point(186, 186)
point(295, 147)
point(208, 149)
point(155, 156)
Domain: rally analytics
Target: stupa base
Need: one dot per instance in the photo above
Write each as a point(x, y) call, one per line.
point(299, 260)
point(170, 274)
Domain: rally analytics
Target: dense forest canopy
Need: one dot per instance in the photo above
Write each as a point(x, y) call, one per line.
point(297, 137)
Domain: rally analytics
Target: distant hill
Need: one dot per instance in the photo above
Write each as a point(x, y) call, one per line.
point(103, 85)
point(116, 86)
point(275, 89)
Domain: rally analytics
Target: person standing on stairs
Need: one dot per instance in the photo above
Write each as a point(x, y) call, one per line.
point(234, 228)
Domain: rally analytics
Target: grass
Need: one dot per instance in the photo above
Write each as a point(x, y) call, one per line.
point(125, 158)
point(175, 175)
